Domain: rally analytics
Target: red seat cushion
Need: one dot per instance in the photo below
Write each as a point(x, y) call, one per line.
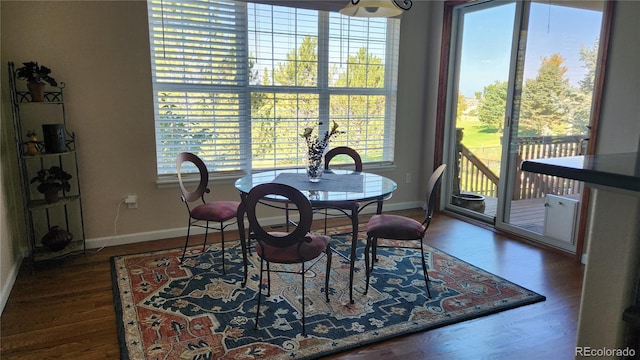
point(216, 211)
point(294, 253)
point(387, 226)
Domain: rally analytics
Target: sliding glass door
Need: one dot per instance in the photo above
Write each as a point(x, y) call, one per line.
point(521, 86)
point(549, 117)
point(482, 56)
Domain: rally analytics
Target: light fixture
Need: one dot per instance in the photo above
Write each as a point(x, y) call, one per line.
point(376, 8)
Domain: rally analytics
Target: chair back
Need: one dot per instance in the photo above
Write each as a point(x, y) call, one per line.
point(187, 195)
point(432, 191)
point(285, 194)
point(343, 150)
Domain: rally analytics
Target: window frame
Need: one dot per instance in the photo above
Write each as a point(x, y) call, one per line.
point(322, 89)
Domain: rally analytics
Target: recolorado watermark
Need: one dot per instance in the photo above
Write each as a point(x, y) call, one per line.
point(587, 351)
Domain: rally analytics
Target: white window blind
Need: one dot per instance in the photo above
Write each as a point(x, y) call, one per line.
point(236, 83)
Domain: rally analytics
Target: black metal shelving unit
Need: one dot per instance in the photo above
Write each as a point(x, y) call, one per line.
point(41, 215)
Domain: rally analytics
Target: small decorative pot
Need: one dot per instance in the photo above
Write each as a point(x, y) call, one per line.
point(473, 202)
point(36, 91)
point(52, 195)
point(57, 238)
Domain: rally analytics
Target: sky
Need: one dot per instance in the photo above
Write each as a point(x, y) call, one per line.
point(486, 43)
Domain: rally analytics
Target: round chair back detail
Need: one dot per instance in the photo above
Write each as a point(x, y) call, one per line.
point(192, 196)
point(343, 150)
point(292, 196)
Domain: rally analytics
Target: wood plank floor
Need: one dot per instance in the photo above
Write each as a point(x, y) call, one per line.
point(65, 310)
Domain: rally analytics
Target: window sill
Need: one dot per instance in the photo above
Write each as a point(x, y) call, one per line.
point(171, 181)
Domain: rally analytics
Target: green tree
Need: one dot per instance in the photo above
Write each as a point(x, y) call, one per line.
point(493, 103)
point(274, 115)
point(364, 70)
point(365, 113)
point(278, 118)
point(546, 100)
point(462, 106)
point(301, 67)
point(589, 58)
point(582, 97)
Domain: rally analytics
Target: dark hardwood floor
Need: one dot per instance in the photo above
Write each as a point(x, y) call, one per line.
point(65, 310)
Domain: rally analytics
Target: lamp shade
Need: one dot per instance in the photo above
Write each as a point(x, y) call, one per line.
point(372, 8)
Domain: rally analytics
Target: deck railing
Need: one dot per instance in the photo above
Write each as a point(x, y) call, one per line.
point(472, 175)
point(530, 185)
point(475, 176)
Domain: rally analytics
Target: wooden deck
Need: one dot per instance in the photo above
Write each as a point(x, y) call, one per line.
point(527, 214)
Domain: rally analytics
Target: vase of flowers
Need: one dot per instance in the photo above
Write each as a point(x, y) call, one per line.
point(315, 151)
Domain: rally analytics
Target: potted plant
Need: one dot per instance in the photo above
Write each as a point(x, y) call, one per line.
point(52, 180)
point(36, 76)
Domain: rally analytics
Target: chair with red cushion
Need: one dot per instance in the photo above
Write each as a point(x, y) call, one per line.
point(344, 207)
point(298, 246)
point(396, 227)
point(200, 211)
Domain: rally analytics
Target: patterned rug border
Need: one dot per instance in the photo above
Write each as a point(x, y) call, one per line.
point(416, 328)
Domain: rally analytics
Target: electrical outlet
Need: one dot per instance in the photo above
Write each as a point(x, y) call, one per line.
point(407, 178)
point(131, 201)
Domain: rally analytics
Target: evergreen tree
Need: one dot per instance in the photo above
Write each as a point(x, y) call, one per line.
point(589, 58)
point(365, 112)
point(301, 66)
point(583, 96)
point(278, 118)
point(546, 100)
point(275, 125)
point(493, 102)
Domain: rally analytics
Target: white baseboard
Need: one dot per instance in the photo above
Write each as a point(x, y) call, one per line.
point(8, 285)
point(97, 243)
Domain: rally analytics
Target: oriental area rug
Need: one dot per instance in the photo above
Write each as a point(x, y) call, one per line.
point(166, 310)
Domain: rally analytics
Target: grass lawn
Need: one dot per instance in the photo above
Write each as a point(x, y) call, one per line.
point(484, 143)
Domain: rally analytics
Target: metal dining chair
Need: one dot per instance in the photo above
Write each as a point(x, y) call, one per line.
point(201, 211)
point(298, 246)
point(397, 227)
point(344, 207)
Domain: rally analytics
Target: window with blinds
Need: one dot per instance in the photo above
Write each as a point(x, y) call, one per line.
point(236, 82)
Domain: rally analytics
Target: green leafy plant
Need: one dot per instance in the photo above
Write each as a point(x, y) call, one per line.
point(53, 178)
point(35, 74)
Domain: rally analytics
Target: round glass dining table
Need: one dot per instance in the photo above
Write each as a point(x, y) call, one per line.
point(336, 186)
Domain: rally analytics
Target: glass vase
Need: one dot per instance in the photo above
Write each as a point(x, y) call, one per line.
point(315, 166)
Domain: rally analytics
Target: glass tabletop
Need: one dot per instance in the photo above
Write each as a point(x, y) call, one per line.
point(335, 185)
